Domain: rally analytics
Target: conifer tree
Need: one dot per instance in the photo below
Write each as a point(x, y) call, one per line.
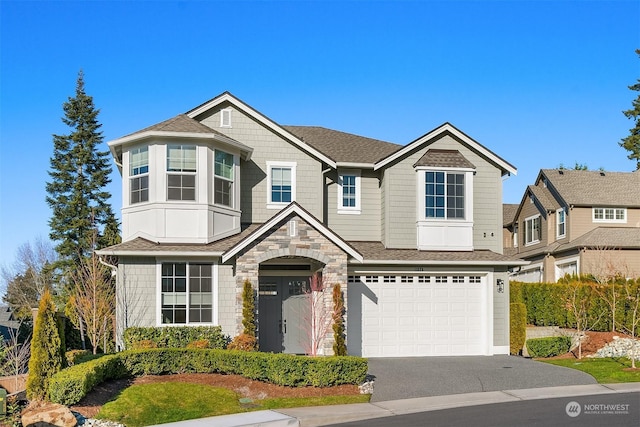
point(248, 309)
point(632, 142)
point(79, 173)
point(46, 357)
point(339, 346)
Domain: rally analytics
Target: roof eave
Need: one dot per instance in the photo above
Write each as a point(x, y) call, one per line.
point(160, 253)
point(506, 263)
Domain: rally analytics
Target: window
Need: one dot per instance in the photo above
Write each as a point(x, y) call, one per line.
point(225, 118)
point(561, 220)
point(349, 192)
point(139, 173)
point(223, 178)
point(282, 184)
point(515, 235)
point(532, 230)
point(181, 168)
point(187, 293)
point(609, 215)
point(444, 195)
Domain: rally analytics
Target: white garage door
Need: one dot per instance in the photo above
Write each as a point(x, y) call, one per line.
point(422, 315)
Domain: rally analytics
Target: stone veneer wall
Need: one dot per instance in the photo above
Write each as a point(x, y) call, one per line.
point(307, 243)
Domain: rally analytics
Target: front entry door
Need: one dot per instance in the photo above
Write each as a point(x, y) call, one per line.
point(282, 314)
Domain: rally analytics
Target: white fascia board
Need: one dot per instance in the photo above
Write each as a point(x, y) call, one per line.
point(292, 208)
point(227, 97)
point(351, 165)
point(448, 127)
point(244, 149)
point(170, 254)
point(434, 262)
point(439, 169)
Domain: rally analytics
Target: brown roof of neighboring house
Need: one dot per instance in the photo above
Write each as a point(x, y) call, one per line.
point(544, 197)
point(444, 159)
point(180, 123)
point(509, 213)
point(342, 146)
point(606, 238)
point(595, 188)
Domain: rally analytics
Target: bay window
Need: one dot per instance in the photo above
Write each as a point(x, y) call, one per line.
point(223, 178)
point(139, 175)
point(444, 195)
point(181, 172)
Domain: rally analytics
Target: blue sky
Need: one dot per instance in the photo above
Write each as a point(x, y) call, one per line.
point(540, 83)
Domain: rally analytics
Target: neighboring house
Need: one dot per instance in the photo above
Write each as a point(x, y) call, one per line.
point(576, 222)
point(223, 194)
point(8, 324)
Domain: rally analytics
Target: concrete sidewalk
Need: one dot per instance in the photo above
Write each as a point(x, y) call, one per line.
point(325, 415)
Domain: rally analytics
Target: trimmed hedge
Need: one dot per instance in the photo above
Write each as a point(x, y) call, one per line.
point(72, 384)
point(518, 327)
point(548, 347)
point(175, 336)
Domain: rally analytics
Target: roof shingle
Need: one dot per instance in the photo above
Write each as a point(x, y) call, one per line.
point(444, 159)
point(596, 188)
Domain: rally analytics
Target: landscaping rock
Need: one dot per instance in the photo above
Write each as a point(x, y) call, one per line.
point(620, 347)
point(47, 415)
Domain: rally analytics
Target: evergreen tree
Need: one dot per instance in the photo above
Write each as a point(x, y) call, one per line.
point(248, 309)
point(46, 355)
point(632, 142)
point(339, 345)
point(79, 173)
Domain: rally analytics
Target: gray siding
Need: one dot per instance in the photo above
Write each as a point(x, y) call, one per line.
point(136, 294)
point(268, 146)
point(227, 300)
point(363, 226)
point(500, 311)
point(400, 210)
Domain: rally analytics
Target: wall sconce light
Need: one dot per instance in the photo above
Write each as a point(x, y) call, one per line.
point(500, 285)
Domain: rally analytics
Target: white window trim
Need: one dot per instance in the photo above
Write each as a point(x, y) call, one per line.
point(234, 185)
point(564, 234)
point(516, 235)
point(214, 291)
point(349, 210)
point(129, 159)
point(537, 240)
point(225, 113)
point(566, 261)
point(468, 194)
point(618, 221)
point(292, 166)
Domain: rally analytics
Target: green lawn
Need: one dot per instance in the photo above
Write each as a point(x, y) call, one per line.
point(604, 370)
point(157, 403)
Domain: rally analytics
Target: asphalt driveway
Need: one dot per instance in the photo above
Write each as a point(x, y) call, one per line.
point(409, 377)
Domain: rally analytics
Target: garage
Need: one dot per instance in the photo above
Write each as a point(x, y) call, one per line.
point(438, 315)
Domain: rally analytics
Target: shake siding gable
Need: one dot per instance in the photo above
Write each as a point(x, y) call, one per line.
point(528, 210)
point(364, 226)
point(268, 146)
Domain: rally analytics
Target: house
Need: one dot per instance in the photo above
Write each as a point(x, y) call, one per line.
point(576, 222)
point(223, 194)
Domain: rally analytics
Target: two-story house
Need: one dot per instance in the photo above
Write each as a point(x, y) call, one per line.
point(223, 194)
point(576, 222)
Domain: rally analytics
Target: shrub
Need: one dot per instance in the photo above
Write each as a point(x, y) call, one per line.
point(248, 309)
point(198, 344)
point(175, 336)
point(74, 357)
point(548, 347)
point(339, 346)
point(243, 342)
point(143, 344)
point(46, 353)
point(518, 327)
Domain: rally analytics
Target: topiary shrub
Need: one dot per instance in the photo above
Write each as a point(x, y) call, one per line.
point(517, 327)
point(548, 347)
point(46, 355)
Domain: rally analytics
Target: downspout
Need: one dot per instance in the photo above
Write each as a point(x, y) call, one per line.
point(114, 268)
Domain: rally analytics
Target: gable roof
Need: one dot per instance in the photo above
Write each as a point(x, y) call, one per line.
point(509, 213)
point(594, 188)
point(292, 209)
point(606, 238)
point(444, 129)
point(444, 159)
point(344, 147)
point(261, 118)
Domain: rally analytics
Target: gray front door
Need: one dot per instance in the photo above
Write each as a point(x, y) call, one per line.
point(282, 314)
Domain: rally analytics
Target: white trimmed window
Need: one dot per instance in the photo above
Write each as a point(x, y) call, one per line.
point(610, 215)
point(181, 172)
point(349, 192)
point(444, 195)
point(281, 183)
point(515, 235)
point(139, 175)
point(225, 118)
point(561, 223)
point(186, 293)
point(532, 230)
point(223, 178)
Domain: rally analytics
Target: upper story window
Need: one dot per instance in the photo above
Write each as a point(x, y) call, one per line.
point(610, 215)
point(223, 178)
point(181, 172)
point(139, 175)
point(561, 223)
point(532, 230)
point(225, 118)
point(187, 295)
point(349, 192)
point(281, 183)
point(515, 235)
point(444, 195)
